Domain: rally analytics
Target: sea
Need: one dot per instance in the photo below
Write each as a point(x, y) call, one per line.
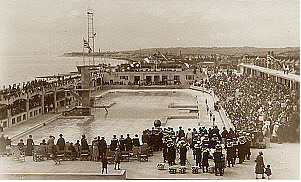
point(19, 69)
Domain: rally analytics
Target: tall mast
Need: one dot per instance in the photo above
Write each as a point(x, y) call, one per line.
point(91, 34)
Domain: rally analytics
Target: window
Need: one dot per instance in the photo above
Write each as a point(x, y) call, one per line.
point(18, 119)
point(124, 78)
point(4, 124)
point(14, 121)
point(30, 114)
point(189, 77)
point(24, 116)
point(176, 77)
point(164, 78)
point(40, 110)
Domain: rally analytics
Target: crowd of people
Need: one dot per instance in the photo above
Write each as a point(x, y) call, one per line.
point(225, 148)
point(96, 151)
point(258, 105)
point(17, 90)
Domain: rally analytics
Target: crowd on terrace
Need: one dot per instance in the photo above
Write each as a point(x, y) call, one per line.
point(249, 100)
point(17, 90)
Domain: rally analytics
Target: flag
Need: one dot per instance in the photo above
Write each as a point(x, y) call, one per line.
point(86, 45)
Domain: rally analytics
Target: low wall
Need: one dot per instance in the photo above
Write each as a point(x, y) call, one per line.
point(226, 121)
point(63, 176)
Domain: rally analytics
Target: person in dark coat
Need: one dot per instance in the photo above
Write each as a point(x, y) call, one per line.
point(117, 159)
point(224, 135)
point(84, 143)
point(145, 137)
point(240, 152)
point(171, 154)
point(61, 142)
point(198, 155)
point(205, 157)
point(102, 147)
point(114, 143)
point(231, 134)
point(181, 133)
point(259, 168)
point(218, 159)
point(21, 145)
point(248, 147)
point(183, 154)
point(235, 148)
point(73, 151)
point(268, 171)
point(122, 143)
point(136, 141)
point(230, 153)
point(29, 146)
point(104, 164)
point(164, 151)
point(128, 143)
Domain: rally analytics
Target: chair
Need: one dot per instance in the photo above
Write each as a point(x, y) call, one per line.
point(84, 154)
point(39, 153)
point(136, 152)
point(143, 155)
point(60, 153)
point(110, 156)
point(68, 153)
point(18, 154)
point(125, 156)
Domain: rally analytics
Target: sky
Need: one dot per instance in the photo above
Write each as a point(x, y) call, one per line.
point(52, 27)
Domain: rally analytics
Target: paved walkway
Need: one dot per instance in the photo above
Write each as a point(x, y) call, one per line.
point(284, 160)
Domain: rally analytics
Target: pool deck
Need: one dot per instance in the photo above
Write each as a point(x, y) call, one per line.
point(282, 157)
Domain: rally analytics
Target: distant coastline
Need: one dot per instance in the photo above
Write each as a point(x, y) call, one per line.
point(126, 55)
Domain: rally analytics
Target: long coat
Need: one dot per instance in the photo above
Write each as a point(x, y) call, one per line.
point(259, 168)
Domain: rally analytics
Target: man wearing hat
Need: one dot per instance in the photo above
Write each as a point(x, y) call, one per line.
point(102, 147)
point(114, 143)
point(128, 143)
point(230, 153)
point(171, 153)
point(198, 154)
point(84, 143)
point(205, 157)
point(241, 150)
point(183, 153)
point(122, 143)
point(61, 142)
point(218, 159)
point(235, 147)
point(164, 150)
point(181, 133)
point(136, 141)
point(224, 135)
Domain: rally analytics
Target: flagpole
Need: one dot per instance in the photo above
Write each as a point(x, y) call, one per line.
point(84, 52)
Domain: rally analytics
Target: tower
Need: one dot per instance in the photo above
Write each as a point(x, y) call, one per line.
point(91, 34)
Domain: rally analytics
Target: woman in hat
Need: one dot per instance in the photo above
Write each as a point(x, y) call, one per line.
point(95, 149)
point(61, 142)
point(117, 159)
point(29, 146)
point(259, 168)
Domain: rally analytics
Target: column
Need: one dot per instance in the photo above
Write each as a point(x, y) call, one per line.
point(54, 100)
point(27, 106)
point(43, 100)
point(8, 117)
point(65, 101)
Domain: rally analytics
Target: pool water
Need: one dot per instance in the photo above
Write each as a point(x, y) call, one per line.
point(132, 113)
